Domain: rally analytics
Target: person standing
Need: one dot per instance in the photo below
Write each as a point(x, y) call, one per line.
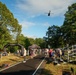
point(24, 55)
point(50, 53)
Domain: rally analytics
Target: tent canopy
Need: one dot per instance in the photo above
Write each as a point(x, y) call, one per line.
point(34, 46)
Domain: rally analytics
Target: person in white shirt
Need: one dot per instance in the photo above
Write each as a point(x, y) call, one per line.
point(24, 55)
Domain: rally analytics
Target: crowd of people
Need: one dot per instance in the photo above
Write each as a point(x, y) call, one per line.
point(55, 56)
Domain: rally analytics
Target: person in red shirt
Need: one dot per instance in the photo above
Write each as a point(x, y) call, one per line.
point(50, 52)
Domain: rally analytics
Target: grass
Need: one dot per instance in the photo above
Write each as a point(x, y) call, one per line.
point(51, 69)
point(11, 59)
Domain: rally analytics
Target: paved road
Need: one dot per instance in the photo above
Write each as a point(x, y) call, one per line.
point(28, 68)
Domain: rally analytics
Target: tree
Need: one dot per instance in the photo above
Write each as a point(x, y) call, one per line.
point(27, 43)
point(8, 26)
point(39, 42)
point(54, 36)
point(69, 26)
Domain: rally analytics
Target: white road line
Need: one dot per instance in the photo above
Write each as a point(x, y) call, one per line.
point(38, 67)
point(10, 66)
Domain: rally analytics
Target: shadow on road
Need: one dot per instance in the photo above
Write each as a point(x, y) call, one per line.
point(22, 72)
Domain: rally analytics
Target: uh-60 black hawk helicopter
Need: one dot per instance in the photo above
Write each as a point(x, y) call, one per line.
point(49, 13)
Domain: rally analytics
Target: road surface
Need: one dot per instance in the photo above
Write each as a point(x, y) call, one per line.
point(31, 67)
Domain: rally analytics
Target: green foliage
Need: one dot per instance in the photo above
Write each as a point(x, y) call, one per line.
point(8, 26)
point(54, 36)
point(20, 39)
point(30, 41)
point(69, 26)
point(39, 42)
point(12, 49)
point(27, 43)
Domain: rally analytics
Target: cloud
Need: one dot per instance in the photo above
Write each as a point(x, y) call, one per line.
point(26, 24)
point(36, 7)
point(46, 24)
point(30, 36)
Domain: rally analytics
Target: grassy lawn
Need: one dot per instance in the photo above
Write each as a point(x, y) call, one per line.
point(11, 59)
point(51, 69)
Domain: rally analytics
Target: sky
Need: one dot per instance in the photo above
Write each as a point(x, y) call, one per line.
point(32, 14)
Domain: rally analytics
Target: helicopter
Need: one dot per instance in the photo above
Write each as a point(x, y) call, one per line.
point(49, 13)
